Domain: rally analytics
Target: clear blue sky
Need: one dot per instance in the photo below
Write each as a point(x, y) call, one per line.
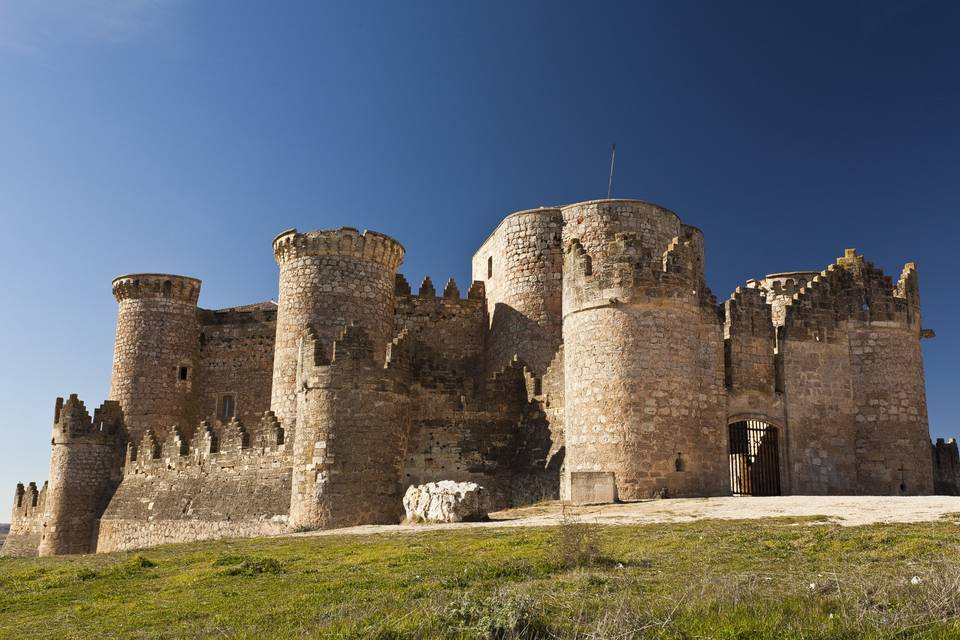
point(180, 136)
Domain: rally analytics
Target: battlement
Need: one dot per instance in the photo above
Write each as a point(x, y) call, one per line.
point(428, 291)
point(625, 270)
point(72, 421)
point(139, 286)
point(852, 288)
point(346, 241)
point(210, 440)
point(747, 311)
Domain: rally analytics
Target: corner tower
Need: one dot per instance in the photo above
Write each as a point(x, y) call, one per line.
point(155, 354)
point(643, 353)
point(329, 280)
point(84, 472)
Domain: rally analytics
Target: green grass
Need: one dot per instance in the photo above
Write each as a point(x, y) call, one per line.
point(783, 578)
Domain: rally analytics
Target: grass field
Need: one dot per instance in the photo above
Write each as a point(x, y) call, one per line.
point(783, 578)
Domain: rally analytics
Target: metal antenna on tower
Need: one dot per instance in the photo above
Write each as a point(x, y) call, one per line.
point(613, 159)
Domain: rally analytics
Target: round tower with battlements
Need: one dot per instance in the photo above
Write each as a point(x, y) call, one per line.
point(329, 280)
point(643, 356)
point(155, 353)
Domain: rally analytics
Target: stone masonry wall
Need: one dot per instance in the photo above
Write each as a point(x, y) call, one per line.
point(225, 482)
point(520, 265)
point(236, 357)
point(447, 325)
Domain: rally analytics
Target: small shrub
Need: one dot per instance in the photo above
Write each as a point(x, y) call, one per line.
point(575, 544)
point(501, 616)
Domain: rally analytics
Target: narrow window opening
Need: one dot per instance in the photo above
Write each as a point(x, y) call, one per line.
point(228, 406)
point(679, 463)
point(183, 374)
point(587, 265)
point(167, 289)
point(490, 267)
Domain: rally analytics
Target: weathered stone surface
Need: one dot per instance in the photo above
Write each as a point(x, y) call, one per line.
point(446, 501)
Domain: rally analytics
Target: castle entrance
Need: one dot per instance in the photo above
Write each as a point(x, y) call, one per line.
point(754, 459)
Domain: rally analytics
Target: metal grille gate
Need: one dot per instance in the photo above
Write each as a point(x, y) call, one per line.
point(754, 459)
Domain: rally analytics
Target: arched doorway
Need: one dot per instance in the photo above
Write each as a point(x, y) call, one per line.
point(754, 459)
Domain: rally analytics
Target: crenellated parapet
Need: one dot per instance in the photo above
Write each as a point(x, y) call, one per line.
point(623, 270)
point(72, 422)
point(369, 246)
point(162, 286)
point(851, 289)
point(447, 324)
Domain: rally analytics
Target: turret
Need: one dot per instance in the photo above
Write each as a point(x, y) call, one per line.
point(350, 440)
point(84, 472)
point(155, 356)
point(328, 280)
point(520, 267)
point(643, 353)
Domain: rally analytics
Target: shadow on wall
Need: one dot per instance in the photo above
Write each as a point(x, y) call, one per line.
point(514, 334)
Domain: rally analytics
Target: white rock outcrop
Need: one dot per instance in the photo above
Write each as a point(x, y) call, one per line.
point(446, 501)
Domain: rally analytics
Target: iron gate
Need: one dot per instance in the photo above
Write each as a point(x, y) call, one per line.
point(754, 459)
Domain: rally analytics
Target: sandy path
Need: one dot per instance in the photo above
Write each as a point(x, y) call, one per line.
point(843, 510)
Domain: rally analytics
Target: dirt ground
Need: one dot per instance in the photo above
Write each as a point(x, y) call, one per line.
point(842, 510)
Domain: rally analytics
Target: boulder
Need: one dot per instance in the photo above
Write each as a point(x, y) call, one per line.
point(446, 501)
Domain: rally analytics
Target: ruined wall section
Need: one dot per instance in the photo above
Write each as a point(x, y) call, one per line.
point(643, 352)
point(946, 468)
point(157, 335)
point(520, 266)
point(26, 523)
point(236, 358)
point(84, 472)
point(328, 280)
point(228, 480)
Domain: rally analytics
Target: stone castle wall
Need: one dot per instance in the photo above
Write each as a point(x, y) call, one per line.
point(236, 358)
point(227, 481)
point(588, 343)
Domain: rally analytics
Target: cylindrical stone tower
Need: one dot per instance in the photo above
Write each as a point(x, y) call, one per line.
point(155, 354)
point(328, 280)
point(84, 471)
point(643, 353)
point(521, 267)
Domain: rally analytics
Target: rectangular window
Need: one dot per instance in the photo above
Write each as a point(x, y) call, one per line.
point(183, 374)
point(228, 406)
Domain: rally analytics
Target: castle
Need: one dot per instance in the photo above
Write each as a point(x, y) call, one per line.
point(587, 361)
